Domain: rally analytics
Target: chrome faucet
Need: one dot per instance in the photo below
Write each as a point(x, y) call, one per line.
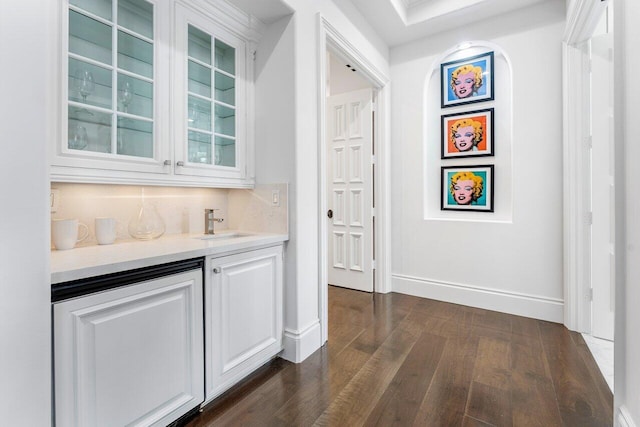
point(209, 220)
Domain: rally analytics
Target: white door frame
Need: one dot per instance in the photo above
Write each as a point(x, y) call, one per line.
point(329, 37)
point(582, 18)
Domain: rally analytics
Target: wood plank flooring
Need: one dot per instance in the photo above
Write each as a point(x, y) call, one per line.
point(398, 360)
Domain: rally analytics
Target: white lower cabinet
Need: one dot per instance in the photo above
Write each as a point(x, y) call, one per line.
point(130, 356)
point(243, 316)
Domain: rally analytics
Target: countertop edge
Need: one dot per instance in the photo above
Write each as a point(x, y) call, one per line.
point(85, 262)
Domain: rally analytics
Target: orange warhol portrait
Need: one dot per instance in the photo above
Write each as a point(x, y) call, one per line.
point(467, 134)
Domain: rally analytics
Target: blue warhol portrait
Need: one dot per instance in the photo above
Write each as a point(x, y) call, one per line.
point(467, 80)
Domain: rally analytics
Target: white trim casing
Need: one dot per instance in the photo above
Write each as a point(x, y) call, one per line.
point(582, 18)
point(519, 304)
point(576, 227)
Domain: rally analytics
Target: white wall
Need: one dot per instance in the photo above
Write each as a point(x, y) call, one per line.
point(627, 111)
point(288, 75)
point(513, 265)
point(25, 310)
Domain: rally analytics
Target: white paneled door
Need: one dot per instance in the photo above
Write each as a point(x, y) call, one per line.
point(350, 188)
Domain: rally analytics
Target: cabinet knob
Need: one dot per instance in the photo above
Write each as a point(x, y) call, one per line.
point(167, 162)
point(217, 270)
point(180, 163)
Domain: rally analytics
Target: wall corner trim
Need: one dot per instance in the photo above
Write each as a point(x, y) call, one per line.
point(624, 418)
point(537, 307)
point(300, 344)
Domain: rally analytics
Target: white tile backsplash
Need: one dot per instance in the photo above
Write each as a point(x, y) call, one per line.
point(182, 209)
point(253, 210)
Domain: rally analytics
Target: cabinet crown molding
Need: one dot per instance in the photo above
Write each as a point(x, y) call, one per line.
point(233, 18)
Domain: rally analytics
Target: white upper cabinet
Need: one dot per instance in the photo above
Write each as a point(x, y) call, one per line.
point(210, 103)
point(155, 92)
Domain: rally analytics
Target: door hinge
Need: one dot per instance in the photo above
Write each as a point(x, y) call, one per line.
point(373, 212)
point(590, 294)
point(590, 218)
point(373, 264)
point(588, 141)
point(253, 54)
point(374, 159)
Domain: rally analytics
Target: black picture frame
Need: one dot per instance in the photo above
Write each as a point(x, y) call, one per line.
point(481, 80)
point(468, 197)
point(479, 144)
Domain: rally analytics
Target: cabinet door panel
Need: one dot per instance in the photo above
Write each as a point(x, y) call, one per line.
point(248, 309)
point(243, 316)
point(130, 356)
point(210, 138)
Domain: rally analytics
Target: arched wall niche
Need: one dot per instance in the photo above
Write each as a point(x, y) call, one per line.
point(504, 146)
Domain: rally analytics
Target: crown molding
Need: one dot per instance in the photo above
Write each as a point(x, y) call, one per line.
point(582, 18)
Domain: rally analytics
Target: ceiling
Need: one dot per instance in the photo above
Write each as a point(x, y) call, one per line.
point(402, 21)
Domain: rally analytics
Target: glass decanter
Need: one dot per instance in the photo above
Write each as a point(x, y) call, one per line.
point(147, 224)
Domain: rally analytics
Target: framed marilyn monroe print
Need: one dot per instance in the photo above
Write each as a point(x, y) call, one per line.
point(467, 80)
point(467, 188)
point(468, 134)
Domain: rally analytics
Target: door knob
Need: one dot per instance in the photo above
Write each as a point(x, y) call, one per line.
point(217, 270)
point(330, 213)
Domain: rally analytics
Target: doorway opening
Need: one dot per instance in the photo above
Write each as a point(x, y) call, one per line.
point(589, 180)
point(373, 170)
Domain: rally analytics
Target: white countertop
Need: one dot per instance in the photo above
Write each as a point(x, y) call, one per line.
point(89, 261)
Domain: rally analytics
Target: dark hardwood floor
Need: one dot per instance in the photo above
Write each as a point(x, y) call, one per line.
point(405, 361)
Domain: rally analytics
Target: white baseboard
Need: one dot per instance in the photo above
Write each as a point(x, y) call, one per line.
point(299, 344)
point(536, 307)
point(624, 418)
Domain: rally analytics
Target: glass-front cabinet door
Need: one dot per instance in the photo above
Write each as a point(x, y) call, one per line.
point(210, 70)
point(112, 74)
